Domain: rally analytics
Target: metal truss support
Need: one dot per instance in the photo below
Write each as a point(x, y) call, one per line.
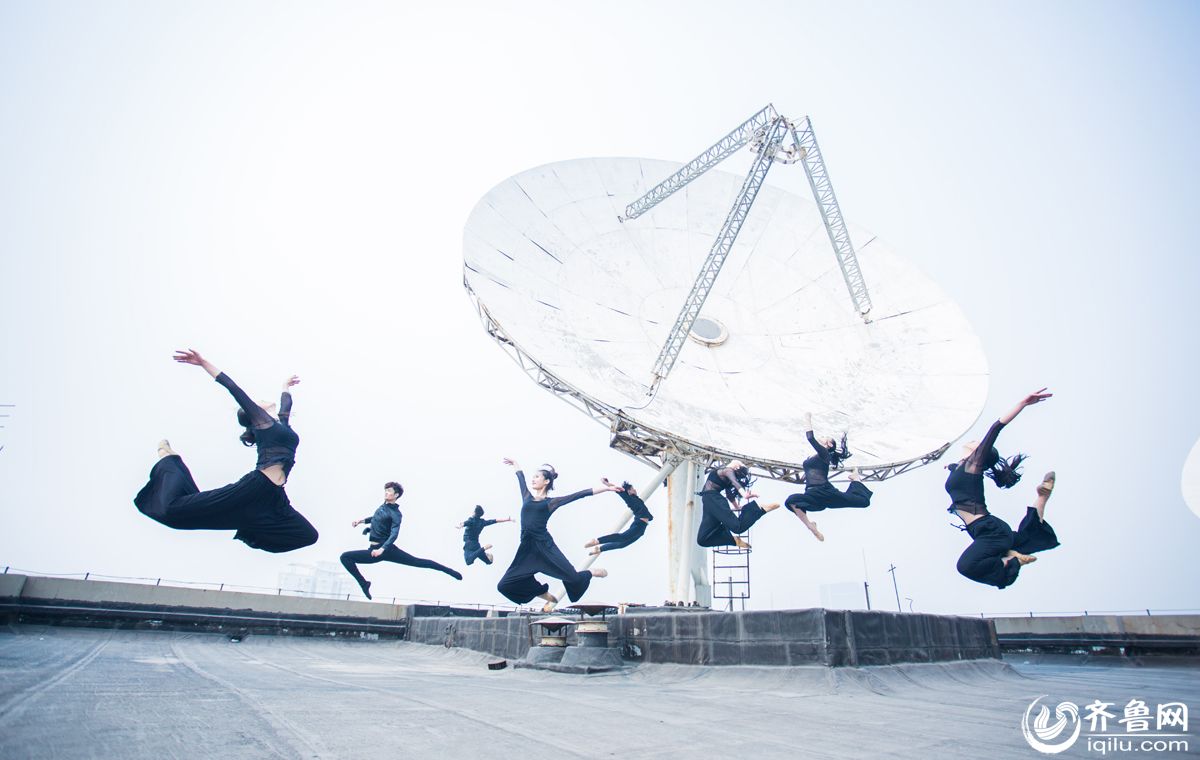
point(715, 154)
point(831, 213)
point(720, 251)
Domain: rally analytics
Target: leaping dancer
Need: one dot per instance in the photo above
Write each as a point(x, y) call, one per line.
point(472, 527)
point(537, 552)
point(719, 526)
point(636, 529)
point(997, 553)
point(385, 528)
point(256, 506)
point(819, 493)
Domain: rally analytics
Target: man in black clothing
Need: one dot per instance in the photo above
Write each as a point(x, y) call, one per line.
point(385, 527)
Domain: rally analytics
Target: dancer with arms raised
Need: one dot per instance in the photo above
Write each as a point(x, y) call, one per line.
point(819, 493)
point(256, 506)
point(537, 552)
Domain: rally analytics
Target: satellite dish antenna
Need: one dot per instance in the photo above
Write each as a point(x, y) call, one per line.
point(1190, 480)
point(585, 272)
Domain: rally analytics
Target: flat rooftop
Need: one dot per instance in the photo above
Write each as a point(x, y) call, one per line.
point(67, 692)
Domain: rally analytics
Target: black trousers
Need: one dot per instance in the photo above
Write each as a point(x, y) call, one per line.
point(992, 538)
point(351, 560)
point(474, 551)
point(827, 496)
point(626, 537)
point(538, 553)
point(255, 507)
point(719, 524)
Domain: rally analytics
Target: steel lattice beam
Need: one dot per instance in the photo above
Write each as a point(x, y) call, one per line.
point(719, 252)
point(831, 214)
point(712, 156)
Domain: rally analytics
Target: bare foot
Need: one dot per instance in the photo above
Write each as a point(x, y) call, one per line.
point(591, 543)
point(771, 507)
point(812, 526)
point(599, 572)
point(1024, 559)
point(549, 605)
point(486, 547)
point(165, 450)
point(853, 475)
point(740, 543)
point(595, 552)
point(1047, 485)
point(489, 556)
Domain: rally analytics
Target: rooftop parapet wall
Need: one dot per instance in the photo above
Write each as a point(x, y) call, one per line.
point(1147, 633)
point(769, 637)
point(108, 604)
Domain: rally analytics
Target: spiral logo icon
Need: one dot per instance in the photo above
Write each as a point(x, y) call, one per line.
point(1041, 733)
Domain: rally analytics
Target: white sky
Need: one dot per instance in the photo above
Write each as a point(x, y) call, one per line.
point(283, 186)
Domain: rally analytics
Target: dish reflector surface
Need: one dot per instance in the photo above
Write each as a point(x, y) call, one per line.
point(590, 301)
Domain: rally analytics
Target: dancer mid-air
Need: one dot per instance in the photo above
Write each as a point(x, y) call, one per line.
point(997, 552)
point(472, 527)
point(537, 552)
point(385, 528)
point(636, 529)
point(819, 493)
point(256, 506)
point(719, 526)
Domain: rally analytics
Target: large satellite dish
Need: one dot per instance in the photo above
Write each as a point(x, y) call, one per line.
point(584, 298)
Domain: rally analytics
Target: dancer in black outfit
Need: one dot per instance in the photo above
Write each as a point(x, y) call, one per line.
point(385, 527)
point(719, 526)
point(472, 527)
point(256, 506)
point(819, 493)
point(997, 553)
point(537, 552)
point(636, 529)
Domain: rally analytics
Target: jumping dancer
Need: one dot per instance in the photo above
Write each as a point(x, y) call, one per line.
point(385, 527)
point(819, 493)
point(636, 529)
point(256, 506)
point(997, 553)
point(537, 552)
point(719, 526)
point(472, 527)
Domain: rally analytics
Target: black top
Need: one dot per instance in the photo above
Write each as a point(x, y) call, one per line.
point(721, 479)
point(274, 438)
point(636, 506)
point(535, 513)
point(816, 468)
point(385, 524)
point(472, 527)
point(965, 481)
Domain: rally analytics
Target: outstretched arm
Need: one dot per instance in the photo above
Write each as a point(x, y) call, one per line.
point(1033, 398)
point(974, 462)
point(812, 439)
point(525, 496)
point(258, 418)
point(561, 500)
point(285, 399)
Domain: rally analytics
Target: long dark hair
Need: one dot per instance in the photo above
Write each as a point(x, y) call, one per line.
point(1003, 472)
point(247, 437)
point(741, 476)
point(839, 453)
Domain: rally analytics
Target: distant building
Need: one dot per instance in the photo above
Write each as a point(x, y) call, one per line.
point(847, 595)
point(323, 579)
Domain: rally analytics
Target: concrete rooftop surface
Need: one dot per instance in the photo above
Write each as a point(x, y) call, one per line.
point(81, 693)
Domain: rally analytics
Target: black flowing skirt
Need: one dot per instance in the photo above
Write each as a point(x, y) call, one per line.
point(992, 538)
point(255, 507)
point(719, 524)
point(539, 554)
point(827, 496)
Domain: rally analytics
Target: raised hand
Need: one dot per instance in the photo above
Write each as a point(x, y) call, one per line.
point(190, 356)
point(609, 486)
point(1036, 397)
point(293, 380)
point(511, 463)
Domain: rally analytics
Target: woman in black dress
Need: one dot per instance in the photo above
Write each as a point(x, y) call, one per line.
point(997, 553)
point(636, 529)
point(256, 506)
point(819, 493)
point(719, 526)
point(472, 527)
point(537, 552)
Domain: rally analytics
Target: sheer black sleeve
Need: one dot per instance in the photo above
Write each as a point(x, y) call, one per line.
point(285, 408)
point(974, 462)
point(525, 495)
point(561, 500)
point(259, 419)
point(821, 450)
